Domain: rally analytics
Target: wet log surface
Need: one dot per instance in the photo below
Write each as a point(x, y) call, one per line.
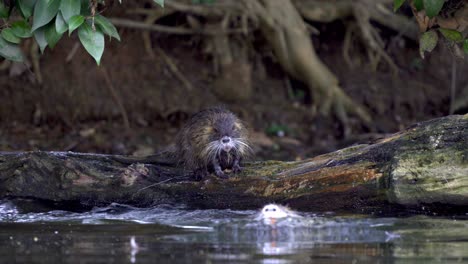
point(423, 168)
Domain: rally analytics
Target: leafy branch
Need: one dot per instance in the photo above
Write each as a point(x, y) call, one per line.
point(47, 20)
point(437, 17)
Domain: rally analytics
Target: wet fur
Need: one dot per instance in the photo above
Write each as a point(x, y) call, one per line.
point(199, 147)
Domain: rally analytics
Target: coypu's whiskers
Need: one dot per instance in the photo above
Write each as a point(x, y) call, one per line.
point(243, 146)
point(211, 150)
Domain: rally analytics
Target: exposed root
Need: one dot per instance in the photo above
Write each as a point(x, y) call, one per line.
point(289, 37)
point(328, 11)
point(287, 33)
point(372, 38)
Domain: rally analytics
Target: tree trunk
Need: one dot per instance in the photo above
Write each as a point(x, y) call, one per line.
point(424, 167)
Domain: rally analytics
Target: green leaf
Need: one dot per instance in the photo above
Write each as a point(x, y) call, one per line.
point(159, 2)
point(397, 4)
point(428, 42)
point(433, 7)
point(39, 36)
point(465, 46)
point(9, 36)
point(85, 10)
point(21, 29)
point(51, 35)
point(93, 41)
point(3, 11)
point(451, 34)
point(26, 7)
point(10, 51)
point(106, 27)
point(44, 12)
point(70, 8)
point(74, 23)
point(418, 4)
point(60, 24)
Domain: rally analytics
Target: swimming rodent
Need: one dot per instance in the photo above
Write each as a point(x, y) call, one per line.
point(212, 140)
point(271, 213)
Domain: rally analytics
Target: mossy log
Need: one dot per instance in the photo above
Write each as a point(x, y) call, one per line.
point(424, 167)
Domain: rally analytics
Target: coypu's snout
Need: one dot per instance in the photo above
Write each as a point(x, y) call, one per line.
point(273, 211)
point(226, 143)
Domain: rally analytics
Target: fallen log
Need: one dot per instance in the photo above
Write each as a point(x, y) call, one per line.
point(424, 167)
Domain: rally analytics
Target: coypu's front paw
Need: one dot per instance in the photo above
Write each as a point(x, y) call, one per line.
point(236, 168)
point(221, 174)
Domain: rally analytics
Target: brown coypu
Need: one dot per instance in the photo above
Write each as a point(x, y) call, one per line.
point(211, 141)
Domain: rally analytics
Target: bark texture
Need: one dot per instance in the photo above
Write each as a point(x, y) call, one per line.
point(425, 166)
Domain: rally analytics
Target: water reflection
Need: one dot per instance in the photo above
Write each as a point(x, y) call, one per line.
point(164, 234)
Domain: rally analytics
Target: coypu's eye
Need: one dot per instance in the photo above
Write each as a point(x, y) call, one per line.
point(215, 130)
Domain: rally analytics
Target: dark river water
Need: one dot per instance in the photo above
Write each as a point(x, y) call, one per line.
point(164, 234)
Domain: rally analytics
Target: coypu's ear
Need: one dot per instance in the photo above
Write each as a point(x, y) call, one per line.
point(237, 125)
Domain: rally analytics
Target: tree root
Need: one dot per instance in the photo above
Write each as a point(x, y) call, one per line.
point(328, 11)
point(282, 24)
point(287, 33)
point(372, 38)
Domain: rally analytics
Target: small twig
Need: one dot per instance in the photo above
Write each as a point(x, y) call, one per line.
point(347, 46)
point(115, 97)
point(161, 182)
point(147, 37)
point(72, 145)
point(453, 86)
point(289, 89)
point(144, 11)
point(215, 9)
point(171, 30)
point(93, 5)
point(34, 52)
point(72, 52)
point(245, 23)
point(172, 66)
point(174, 69)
